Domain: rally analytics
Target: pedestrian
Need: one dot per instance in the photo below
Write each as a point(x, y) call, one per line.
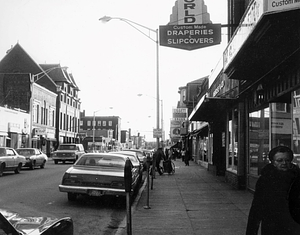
point(183, 154)
point(170, 154)
point(278, 183)
point(187, 158)
point(157, 157)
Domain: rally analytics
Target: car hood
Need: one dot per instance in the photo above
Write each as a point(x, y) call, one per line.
point(13, 223)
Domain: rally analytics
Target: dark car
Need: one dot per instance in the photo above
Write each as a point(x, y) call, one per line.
point(12, 223)
point(141, 155)
point(99, 174)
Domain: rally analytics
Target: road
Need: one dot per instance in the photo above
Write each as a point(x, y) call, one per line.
point(35, 193)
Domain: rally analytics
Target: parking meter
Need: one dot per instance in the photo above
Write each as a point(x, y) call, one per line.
point(128, 175)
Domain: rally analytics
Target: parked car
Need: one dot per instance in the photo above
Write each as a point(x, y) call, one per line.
point(34, 157)
point(10, 160)
point(68, 152)
point(98, 174)
point(136, 162)
point(141, 155)
point(12, 223)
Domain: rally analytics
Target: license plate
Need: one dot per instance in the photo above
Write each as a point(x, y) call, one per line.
point(96, 193)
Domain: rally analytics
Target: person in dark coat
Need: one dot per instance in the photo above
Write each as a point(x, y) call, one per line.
point(270, 205)
point(187, 158)
point(157, 157)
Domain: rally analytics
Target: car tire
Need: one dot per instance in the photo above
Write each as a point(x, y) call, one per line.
point(32, 166)
point(72, 197)
point(55, 161)
point(43, 165)
point(18, 169)
point(2, 169)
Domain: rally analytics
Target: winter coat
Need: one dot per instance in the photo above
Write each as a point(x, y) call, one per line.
point(270, 205)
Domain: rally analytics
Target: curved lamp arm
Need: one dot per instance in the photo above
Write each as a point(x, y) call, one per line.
point(106, 19)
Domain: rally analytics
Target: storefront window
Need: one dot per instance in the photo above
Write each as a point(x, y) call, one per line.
point(296, 125)
point(281, 124)
point(232, 160)
point(259, 140)
point(268, 128)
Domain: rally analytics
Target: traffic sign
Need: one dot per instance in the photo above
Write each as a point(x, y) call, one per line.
point(157, 133)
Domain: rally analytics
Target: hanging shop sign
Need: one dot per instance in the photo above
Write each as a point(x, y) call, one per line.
point(190, 37)
point(280, 5)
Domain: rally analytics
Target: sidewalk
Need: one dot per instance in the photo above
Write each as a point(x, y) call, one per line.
point(190, 202)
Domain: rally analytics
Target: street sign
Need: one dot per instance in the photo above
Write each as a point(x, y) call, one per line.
point(157, 133)
point(190, 36)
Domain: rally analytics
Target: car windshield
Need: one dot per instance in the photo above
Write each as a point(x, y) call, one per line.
point(25, 152)
point(67, 147)
point(103, 161)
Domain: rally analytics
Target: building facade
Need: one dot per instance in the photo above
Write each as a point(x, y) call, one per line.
point(253, 97)
point(27, 86)
point(101, 132)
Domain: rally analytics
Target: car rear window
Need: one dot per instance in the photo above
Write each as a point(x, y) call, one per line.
point(101, 161)
point(25, 152)
point(67, 147)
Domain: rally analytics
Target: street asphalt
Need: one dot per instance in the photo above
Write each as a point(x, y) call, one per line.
point(192, 201)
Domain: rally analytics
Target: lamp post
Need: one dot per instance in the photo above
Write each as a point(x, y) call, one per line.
point(94, 125)
point(133, 24)
point(161, 110)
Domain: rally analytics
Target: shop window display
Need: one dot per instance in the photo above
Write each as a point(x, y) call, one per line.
point(232, 160)
point(259, 140)
point(296, 126)
point(268, 128)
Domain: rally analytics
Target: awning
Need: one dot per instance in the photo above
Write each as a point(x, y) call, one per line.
point(203, 131)
point(211, 108)
point(273, 41)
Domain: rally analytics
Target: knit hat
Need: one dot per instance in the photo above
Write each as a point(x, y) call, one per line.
point(281, 149)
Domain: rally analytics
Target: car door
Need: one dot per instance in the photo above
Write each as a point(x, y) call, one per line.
point(5, 158)
point(11, 158)
point(38, 156)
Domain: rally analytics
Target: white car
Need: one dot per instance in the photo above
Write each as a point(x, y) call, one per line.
point(34, 157)
point(10, 160)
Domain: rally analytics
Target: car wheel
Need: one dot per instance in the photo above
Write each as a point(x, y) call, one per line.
point(1, 169)
point(55, 161)
point(72, 197)
point(43, 165)
point(18, 169)
point(32, 166)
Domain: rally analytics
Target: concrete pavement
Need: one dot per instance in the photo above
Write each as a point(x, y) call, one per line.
point(190, 202)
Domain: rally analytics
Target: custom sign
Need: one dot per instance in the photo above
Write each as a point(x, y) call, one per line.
point(191, 36)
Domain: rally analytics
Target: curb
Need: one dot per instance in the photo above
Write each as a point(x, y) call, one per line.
point(122, 227)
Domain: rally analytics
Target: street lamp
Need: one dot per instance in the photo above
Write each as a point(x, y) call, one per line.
point(162, 120)
point(133, 24)
point(94, 125)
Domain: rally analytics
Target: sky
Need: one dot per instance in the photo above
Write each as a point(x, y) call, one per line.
point(111, 62)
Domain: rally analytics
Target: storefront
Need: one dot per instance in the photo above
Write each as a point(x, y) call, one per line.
point(264, 56)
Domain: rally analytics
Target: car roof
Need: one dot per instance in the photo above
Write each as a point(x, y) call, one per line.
point(103, 154)
point(27, 148)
